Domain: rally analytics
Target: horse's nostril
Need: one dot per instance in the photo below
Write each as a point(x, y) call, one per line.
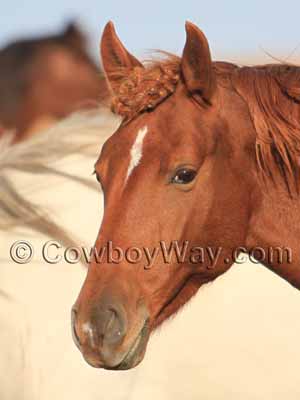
point(103, 330)
point(113, 326)
point(74, 332)
point(112, 316)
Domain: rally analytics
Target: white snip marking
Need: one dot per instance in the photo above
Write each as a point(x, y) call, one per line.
point(86, 328)
point(136, 151)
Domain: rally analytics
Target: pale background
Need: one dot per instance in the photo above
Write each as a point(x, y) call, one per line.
point(237, 31)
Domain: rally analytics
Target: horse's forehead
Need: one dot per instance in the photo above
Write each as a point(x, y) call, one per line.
point(138, 142)
point(166, 127)
point(125, 137)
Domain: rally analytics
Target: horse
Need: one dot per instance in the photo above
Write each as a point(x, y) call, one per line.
point(46, 182)
point(204, 166)
point(44, 79)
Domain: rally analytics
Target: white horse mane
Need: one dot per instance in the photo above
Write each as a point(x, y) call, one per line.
point(82, 133)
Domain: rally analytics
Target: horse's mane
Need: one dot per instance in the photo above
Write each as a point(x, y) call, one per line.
point(143, 89)
point(272, 93)
point(82, 134)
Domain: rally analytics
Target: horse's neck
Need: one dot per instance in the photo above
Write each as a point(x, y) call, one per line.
point(275, 222)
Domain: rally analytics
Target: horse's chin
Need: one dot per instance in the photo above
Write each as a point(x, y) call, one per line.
point(182, 295)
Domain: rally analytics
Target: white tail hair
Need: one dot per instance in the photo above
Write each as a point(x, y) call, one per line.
point(81, 133)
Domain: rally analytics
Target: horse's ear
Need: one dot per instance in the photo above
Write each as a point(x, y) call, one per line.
point(73, 36)
point(197, 67)
point(71, 29)
point(114, 55)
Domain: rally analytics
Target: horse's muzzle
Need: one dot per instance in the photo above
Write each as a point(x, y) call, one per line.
point(105, 339)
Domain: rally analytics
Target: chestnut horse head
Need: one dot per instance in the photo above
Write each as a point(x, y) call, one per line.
point(44, 79)
point(180, 173)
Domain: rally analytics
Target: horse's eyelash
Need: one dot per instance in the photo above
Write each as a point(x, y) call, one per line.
point(97, 177)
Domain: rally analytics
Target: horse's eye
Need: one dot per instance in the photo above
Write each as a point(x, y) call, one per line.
point(97, 177)
point(184, 176)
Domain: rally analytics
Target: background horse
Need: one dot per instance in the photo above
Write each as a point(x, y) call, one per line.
point(43, 80)
point(245, 323)
point(211, 162)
